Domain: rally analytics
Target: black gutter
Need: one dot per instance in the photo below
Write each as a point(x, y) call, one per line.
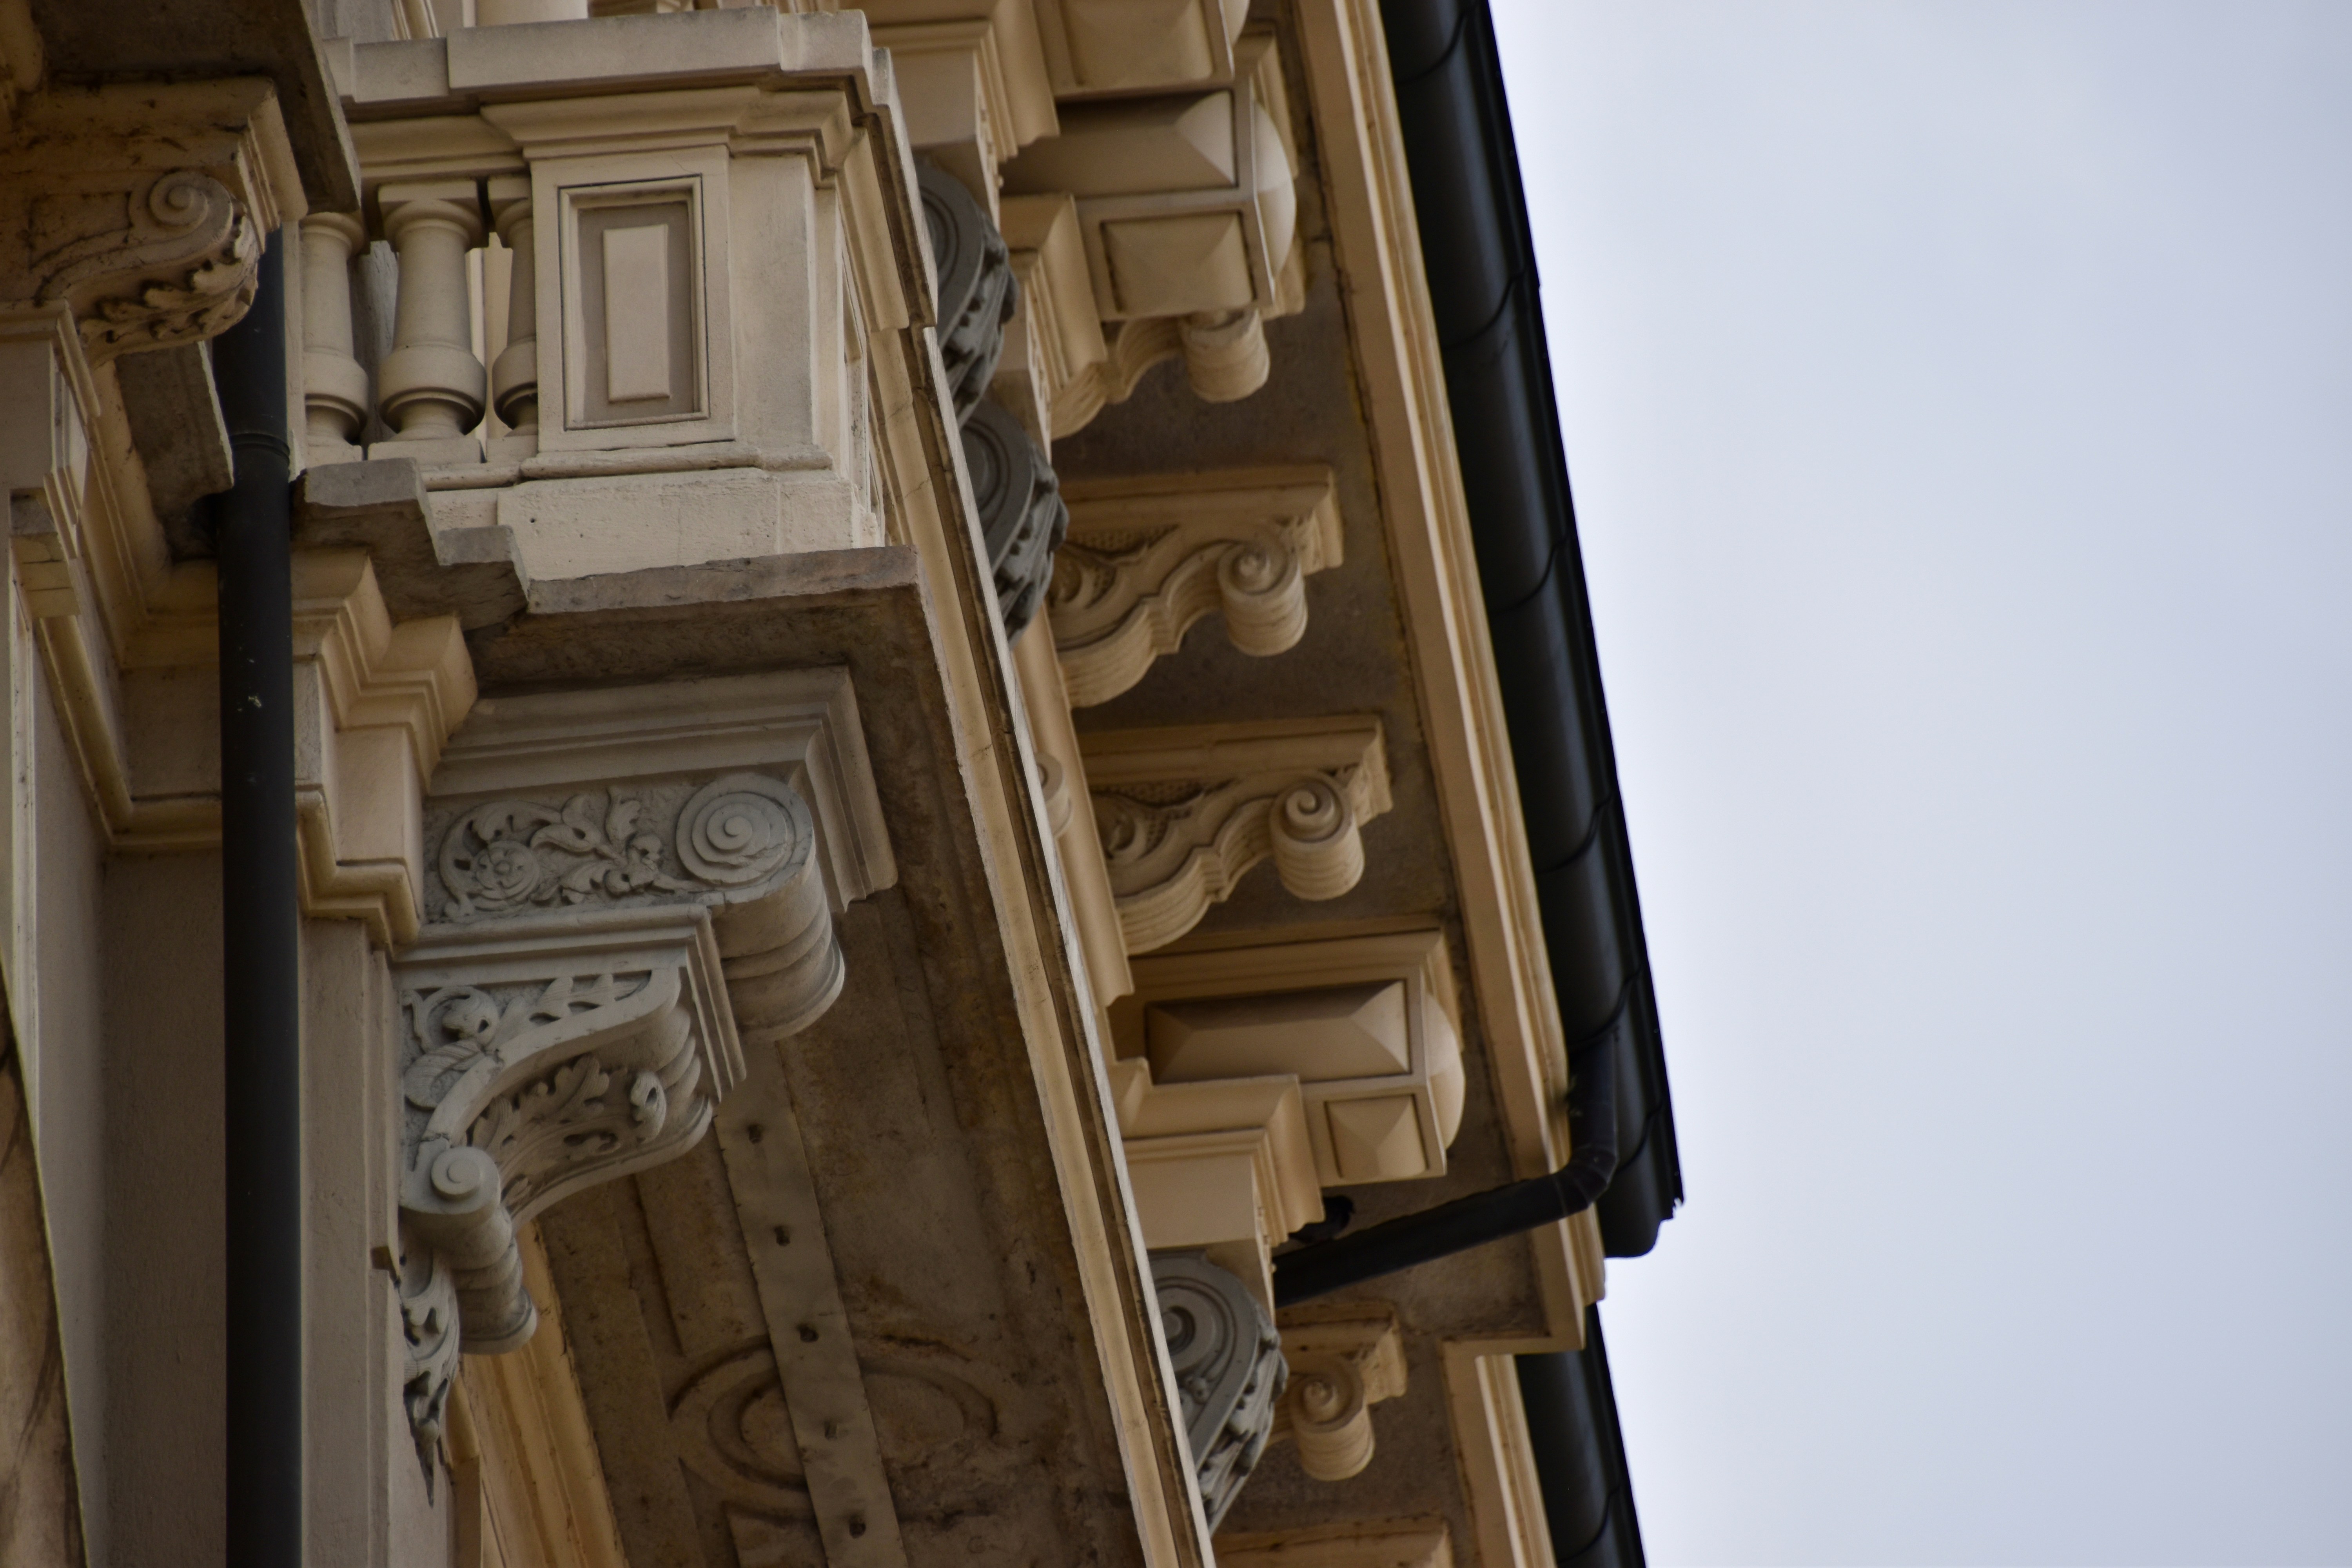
point(1572, 1426)
point(260, 938)
point(1480, 261)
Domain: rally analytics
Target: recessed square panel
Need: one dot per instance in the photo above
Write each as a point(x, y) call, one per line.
point(637, 325)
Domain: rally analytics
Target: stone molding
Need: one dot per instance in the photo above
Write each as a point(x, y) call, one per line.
point(1187, 221)
point(1498, 1455)
point(1228, 1360)
point(376, 700)
point(1102, 46)
point(141, 210)
point(1353, 1543)
point(1183, 812)
point(1149, 556)
point(1062, 771)
point(972, 78)
point(1055, 341)
point(1225, 1166)
point(1343, 1360)
point(799, 727)
point(129, 639)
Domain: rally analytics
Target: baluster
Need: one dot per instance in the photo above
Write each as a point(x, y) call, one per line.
point(506, 13)
point(335, 384)
point(514, 379)
point(433, 386)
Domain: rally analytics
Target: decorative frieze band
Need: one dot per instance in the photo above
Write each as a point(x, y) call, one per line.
point(1184, 813)
point(1148, 556)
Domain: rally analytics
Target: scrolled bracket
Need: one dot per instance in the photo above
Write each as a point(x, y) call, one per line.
point(1184, 815)
point(141, 212)
point(1148, 556)
point(1342, 1362)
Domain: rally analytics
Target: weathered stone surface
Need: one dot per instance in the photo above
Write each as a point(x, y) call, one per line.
point(380, 507)
point(176, 424)
point(40, 1512)
point(97, 40)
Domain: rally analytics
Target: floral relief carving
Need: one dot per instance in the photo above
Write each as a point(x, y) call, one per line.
point(569, 1018)
point(429, 1325)
point(512, 855)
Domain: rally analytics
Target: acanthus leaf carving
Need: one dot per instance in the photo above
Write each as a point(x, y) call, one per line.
point(429, 1324)
point(183, 266)
point(1184, 814)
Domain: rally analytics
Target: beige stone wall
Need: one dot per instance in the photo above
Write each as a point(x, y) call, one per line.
point(40, 1512)
point(54, 1001)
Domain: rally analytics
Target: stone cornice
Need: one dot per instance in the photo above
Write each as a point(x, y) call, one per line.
point(1368, 198)
point(125, 632)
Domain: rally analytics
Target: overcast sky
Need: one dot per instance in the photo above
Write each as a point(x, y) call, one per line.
point(1958, 399)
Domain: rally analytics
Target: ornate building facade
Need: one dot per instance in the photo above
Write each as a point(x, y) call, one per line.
point(795, 785)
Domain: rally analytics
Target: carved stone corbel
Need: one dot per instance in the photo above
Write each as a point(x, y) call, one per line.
point(595, 952)
point(977, 294)
point(1184, 813)
point(1342, 1361)
point(141, 210)
point(1148, 557)
point(1229, 1371)
point(1022, 517)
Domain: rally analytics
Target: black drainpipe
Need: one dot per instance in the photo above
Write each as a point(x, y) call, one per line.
point(260, 932)
point(1481, 1217)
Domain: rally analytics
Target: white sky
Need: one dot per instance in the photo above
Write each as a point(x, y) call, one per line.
point(1959, 403)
